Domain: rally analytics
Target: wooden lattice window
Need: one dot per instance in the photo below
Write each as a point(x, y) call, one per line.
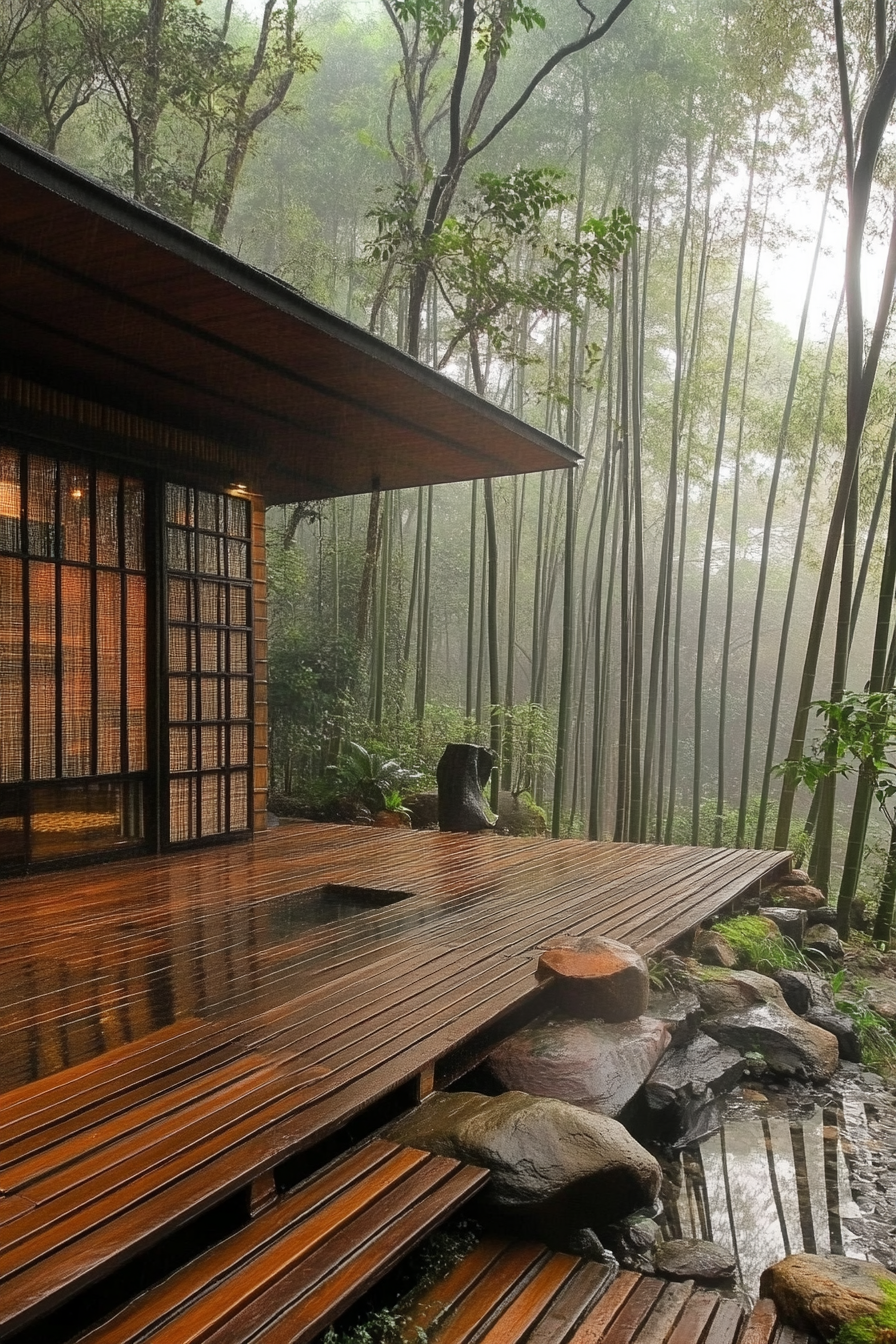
point(73, 676)
point(209, 663)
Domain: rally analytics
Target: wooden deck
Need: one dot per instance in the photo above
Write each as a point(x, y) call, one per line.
point(507, 1292)
point(175, 1028)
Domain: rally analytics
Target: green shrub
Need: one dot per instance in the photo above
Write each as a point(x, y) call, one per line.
point(757, 948)
point(878, 1045)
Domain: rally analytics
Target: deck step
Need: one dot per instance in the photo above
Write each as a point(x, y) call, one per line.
point(299, 1265)
point(506, 1292)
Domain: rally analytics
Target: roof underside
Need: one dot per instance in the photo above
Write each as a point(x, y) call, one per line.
point(106, 299)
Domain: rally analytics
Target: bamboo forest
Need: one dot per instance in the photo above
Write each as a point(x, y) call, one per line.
point(663, 232)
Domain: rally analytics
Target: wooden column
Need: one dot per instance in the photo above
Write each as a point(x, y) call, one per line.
point(260, 635)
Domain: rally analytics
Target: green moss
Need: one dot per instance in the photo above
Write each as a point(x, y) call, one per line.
point(877, 1329)
point(756, 947)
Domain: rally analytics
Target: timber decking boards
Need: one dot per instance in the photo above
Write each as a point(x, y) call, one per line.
point(165, 1043)
point(506, 1292)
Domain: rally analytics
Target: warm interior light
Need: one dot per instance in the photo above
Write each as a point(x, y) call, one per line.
point(76, 494)
point(237, 485)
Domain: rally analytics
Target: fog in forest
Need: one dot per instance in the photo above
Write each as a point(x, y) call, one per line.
point(630, 228)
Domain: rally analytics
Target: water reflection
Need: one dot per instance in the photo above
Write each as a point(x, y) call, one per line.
point(94, 987)
point(765, 1186)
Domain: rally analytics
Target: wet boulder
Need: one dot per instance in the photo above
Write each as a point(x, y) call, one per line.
point(789, 1045)
point(633, 1240)
point(597, 977)
point(597, 1065)
point(554, 1167)
point(824, 1293)
point(800, 897)
point(825, 914)
point(822, 941)
point(735, 990)
point(691, 1258)
point(802, 990)
point(712, 949)
point(790, 922)
point(688, 1077)
point(797, 877)
point(842, 1026)
point(681, 1012)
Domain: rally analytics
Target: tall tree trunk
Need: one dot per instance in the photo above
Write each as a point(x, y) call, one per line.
point(762, 579)
point(622, 762)
point(861, 811)
point(659, 642)
point(696, 796)
point(732, 549)
point(771, 744)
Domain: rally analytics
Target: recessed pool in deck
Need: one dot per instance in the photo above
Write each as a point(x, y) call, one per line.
point(335, 902)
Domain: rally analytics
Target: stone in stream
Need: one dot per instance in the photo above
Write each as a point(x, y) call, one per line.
point(842, 1026)
point(802, 990)
point(687, 1078)
point(822, 940)
point(597, 977)
point(713, 950)
point(554, 1167)
point(789, 1045)
point(790, 922)
point(598, 1065)
point(823, 1293)
point(691, 1258)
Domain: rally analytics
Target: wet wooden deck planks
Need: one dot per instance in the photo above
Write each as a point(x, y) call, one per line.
point(522, 1293)
point(171, 1035)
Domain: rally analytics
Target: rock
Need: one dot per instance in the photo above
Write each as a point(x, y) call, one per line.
point(824, 914)
point(822, 940)
point(633, 1240)
point(736, 990)
point(750, 1094)
point(689, 1076)
point(714, 950)
point(597, 977)
point(800, 897)
point(681, 1012)
point(803, 991)
point(694, 1259)
point(795, 878)
point(597, 1065)
point(424, 810)
point(881, 997)
point(519, 815)
point(842, 1026)
point(789, 1045)
point(461, 774)
point(555, 1167)
point(586, 1244)
point(822, 1293)
point(391, 820)
point(790, 923)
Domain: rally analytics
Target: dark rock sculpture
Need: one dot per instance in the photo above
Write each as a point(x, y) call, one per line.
point(461, 775)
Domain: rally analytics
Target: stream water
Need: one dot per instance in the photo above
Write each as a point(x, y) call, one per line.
point(792, 1168)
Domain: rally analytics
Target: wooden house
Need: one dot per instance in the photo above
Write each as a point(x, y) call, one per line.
point(155, 394)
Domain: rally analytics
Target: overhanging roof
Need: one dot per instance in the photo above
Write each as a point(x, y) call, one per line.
point(110, 300)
